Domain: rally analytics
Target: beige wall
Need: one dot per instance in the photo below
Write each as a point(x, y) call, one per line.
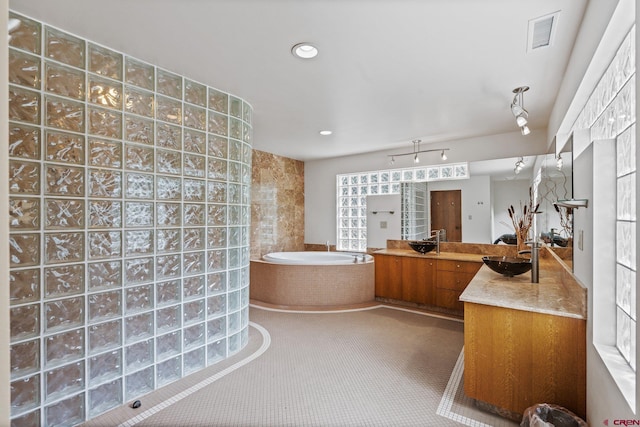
point(277, 204)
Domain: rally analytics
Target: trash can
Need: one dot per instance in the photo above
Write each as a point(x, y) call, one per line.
point(548, 415)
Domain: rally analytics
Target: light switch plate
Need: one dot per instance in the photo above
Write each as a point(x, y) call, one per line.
point(581, 240)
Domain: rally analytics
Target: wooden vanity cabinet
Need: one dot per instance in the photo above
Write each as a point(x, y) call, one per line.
point(418, 280)
point(451, 280)
point(516, 358)
point(388, 276)
point(405, 278)
point(428, 281)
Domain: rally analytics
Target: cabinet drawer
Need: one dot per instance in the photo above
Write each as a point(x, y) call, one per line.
point(461, 266)
point(455, 281)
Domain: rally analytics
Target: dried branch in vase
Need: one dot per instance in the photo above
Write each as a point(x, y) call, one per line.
point(523, 219)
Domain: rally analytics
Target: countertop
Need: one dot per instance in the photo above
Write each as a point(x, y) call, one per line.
point(557, 293)
point(451, 256)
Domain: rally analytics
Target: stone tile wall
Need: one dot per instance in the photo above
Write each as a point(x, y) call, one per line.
point(277, 204)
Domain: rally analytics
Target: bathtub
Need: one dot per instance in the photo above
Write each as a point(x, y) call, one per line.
point(313, 279)
point(315, 258)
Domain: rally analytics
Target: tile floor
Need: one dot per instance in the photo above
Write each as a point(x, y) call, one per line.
point(370, 366)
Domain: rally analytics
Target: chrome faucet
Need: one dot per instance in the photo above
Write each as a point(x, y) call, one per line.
point(328, 247)
point(535, 264)
point(437, 236)
point(553, 236)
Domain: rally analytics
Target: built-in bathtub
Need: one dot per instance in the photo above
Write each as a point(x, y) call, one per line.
point(313, 279)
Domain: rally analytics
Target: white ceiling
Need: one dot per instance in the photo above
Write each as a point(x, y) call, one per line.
point(388, 71)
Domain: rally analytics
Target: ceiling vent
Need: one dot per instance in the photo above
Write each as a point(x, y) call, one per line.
point(541, 31)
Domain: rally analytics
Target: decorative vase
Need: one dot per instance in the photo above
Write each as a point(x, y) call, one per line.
point(521, 239)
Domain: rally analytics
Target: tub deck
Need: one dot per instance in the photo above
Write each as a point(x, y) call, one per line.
point(312, 285)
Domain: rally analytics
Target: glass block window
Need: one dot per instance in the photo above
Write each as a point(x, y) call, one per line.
point(129, 226)
point(610, 113)
point(626, 245)
point(352, 191)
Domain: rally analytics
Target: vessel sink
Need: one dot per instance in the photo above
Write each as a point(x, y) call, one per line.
point(507, 266)
point(423, 246)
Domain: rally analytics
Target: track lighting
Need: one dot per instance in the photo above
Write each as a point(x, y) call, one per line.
point(519, 165)
point(559, 162)
point(416, 151)
point(517, 109)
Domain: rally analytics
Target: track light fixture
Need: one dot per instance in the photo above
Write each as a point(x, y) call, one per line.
point(517, 109)
point(416, 151)
point(559, 162)
point(519, 165)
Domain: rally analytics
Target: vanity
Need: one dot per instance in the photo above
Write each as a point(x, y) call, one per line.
point(432, 281)
point(525, 343)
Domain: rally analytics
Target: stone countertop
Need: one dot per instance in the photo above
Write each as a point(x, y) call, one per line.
point(451, 256)
point(557, 293)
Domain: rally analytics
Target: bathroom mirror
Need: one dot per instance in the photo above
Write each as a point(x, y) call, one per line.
point(493, 187)
point(555, 183)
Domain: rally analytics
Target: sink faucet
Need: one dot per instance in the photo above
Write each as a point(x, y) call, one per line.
point(437, 236)
point(328, 247)
point(553, 235)
point(535, 264)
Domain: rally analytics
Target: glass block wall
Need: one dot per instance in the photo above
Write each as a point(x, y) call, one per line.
point(353, 189)
point(610, 113)
point(413, 205)
point(129, 215)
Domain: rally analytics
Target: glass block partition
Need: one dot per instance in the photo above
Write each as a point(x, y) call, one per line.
point(352, 191)
point(129, 215)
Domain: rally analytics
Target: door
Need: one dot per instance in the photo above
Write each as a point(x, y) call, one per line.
point(446, 213)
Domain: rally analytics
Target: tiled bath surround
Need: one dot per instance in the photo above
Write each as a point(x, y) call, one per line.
point(130, 214)
point(277, 204)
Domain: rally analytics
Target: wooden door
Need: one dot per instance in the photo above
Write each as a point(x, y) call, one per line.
point(446, 213)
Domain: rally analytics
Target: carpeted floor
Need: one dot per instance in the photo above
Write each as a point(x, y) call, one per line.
point(380, 366)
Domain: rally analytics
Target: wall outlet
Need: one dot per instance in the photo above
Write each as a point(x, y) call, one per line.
point(470, 217)
point(383, 224)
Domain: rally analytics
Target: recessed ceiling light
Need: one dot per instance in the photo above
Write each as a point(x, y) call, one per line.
point(304, 50)
point(325, 132)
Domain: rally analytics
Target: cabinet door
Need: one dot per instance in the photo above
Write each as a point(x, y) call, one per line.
point(517, 358)
point(418, 284)
point(388, 276)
